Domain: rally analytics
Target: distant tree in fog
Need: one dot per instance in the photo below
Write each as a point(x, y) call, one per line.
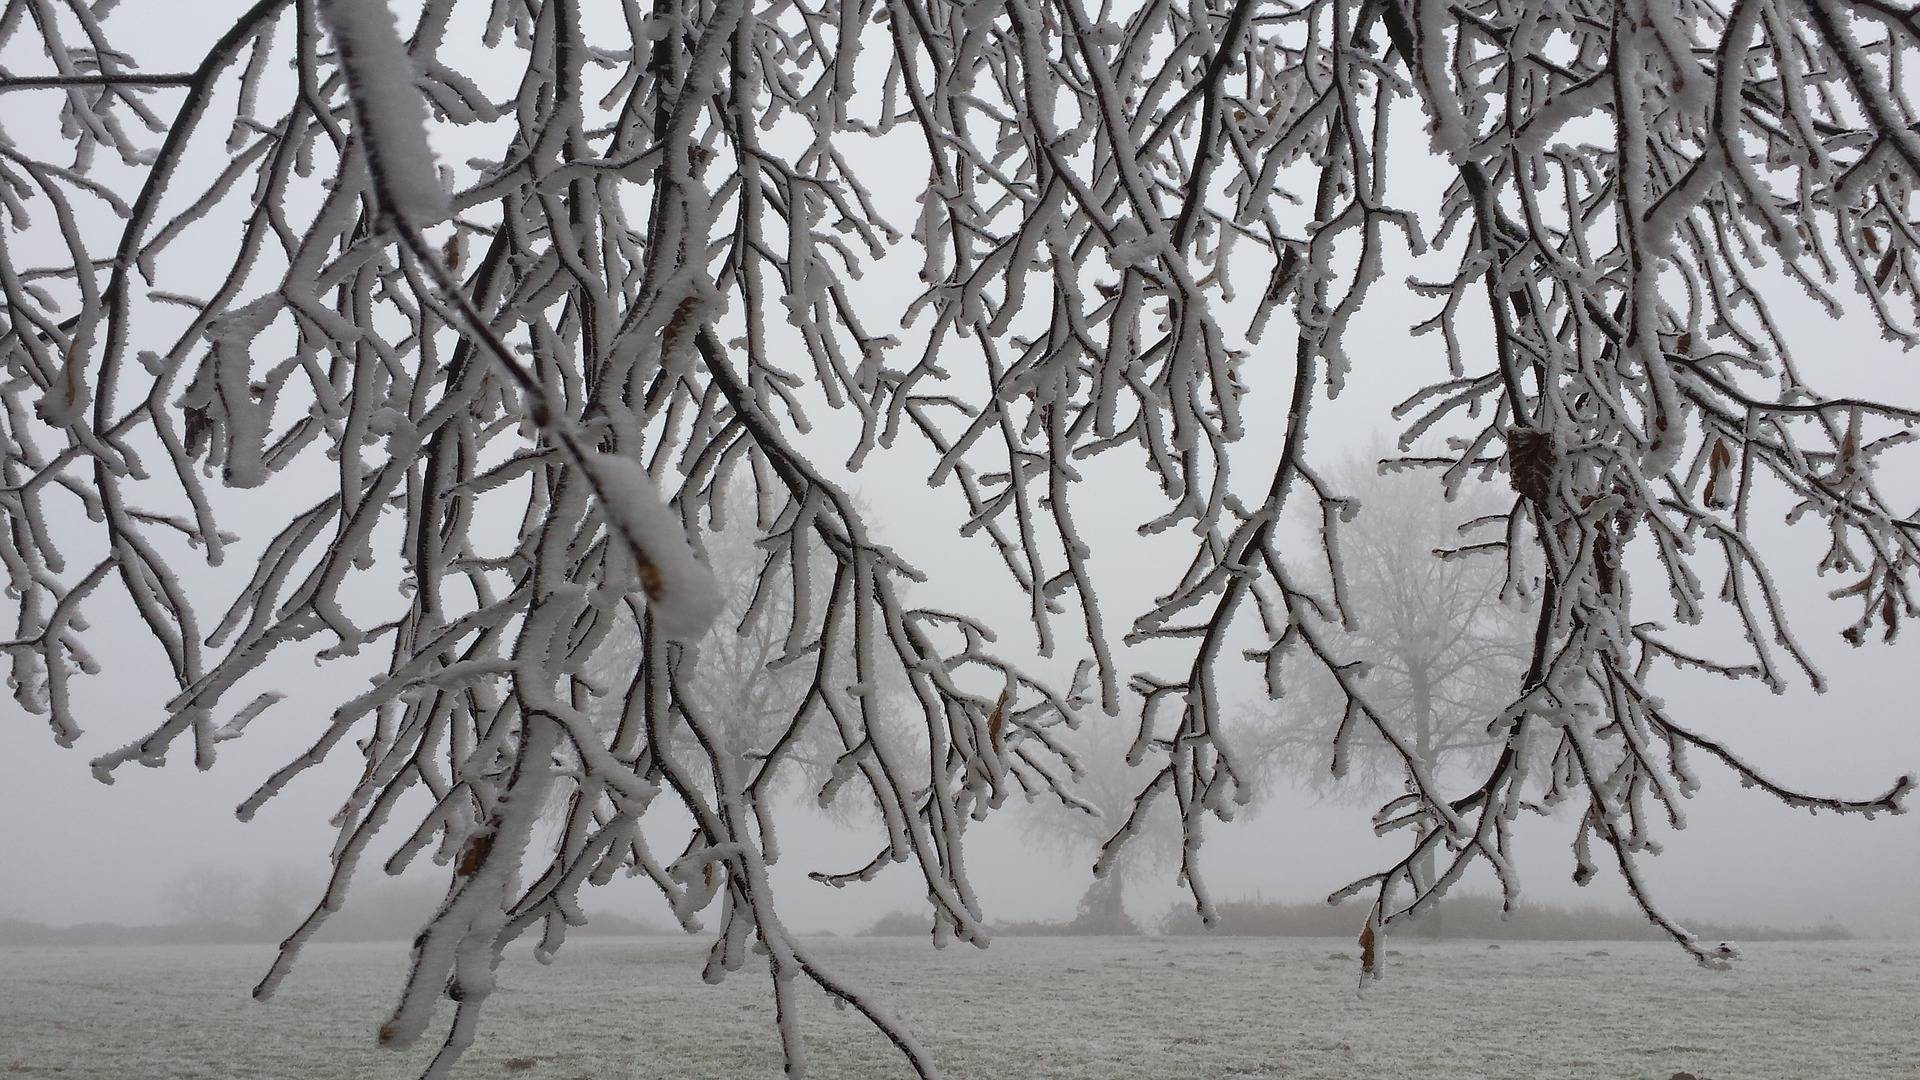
point(492, 408)
point(268, 899)
point(1103, 799)
point(1441, 629)
point(1442, 634)
point(208, 894)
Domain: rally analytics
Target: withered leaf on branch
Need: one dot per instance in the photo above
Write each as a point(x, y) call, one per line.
point(474, 854)
point(1856, 588)
point(1530, 462)
point(997, 721)
point(1719, 475)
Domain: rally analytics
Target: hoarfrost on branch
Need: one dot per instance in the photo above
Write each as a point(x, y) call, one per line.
point(619, 308)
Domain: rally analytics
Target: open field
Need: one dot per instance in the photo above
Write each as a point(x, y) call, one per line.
point(1079, 1008)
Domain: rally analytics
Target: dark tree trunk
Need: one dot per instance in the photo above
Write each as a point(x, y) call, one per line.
point(1103, 908)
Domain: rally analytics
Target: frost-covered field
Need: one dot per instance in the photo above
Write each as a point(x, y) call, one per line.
point(1025, 1008)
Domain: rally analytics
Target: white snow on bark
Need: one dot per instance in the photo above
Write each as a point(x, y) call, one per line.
point(389, 107)
point(680, 588)
point(525, 439)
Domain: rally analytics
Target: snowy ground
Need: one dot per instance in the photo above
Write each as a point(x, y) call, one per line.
point(1025, 1008)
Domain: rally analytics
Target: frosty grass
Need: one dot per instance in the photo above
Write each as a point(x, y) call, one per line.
point(1024, 1008)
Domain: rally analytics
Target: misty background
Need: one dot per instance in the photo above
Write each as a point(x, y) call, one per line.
point(160, 842)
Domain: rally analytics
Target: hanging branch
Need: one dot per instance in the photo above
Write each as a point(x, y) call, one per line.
point(633, 272)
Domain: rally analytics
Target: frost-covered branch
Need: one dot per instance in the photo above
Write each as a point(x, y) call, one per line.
point(516, 305)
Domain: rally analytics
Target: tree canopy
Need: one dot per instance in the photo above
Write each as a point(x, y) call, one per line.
point(519, 290)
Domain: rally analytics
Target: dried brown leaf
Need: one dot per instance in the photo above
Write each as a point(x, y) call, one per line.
point(474, 854)
point(997, 720)
point(1719, 475)
point(1884, 272)
point(1530, 463)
